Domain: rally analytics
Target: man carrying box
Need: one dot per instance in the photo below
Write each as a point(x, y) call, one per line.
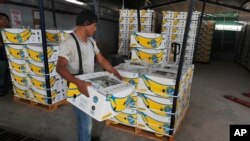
point(77, 55)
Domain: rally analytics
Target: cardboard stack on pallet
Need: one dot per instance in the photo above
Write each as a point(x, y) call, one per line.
point(173, 28)
point(153, 98)
point(205, 42)
point(152, 103)
point(128, 23)
point(27, 65)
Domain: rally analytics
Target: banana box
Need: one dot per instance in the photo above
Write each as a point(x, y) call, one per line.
point(21, 36)
point(179, 15)
point(19, 78)
point(167, 22)
point(108, 96)
point(179, 23)
point(53, 36)
point(37, 68)
point(146, 13)
point(15, 51)
point(41, 96)
point(174, 37)
point(157, 105)
point(144, 21)
point(167, 14)
point(65, 34)
point(39, 82)
point(191, 39)
point(195, 16)
point(124, 20)
point(35, 52)
point(192, 32)
point(124, 13)
point(127, 117)
point(158, 84)
point(123, 27)
point(22, 91)
point(123, 35)
point(18, 65)
point(130, 73)
point(143, 13)
point(147, 40)
point(194, 24)
point(148, 56)
point(146, 28)
point(134, 102)
point(153, 123)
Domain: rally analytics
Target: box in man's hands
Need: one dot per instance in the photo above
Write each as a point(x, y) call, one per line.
point(108, 96)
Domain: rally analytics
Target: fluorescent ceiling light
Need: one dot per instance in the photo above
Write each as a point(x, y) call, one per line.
point(76, 2)
point(228, 27)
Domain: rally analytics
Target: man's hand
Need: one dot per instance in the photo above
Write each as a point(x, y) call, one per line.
point(117, 75)
point(83, 87)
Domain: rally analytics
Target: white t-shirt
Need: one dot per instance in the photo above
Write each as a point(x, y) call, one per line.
point(68, 50)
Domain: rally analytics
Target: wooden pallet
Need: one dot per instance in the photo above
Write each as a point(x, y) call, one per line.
point(142, 133)
point(138, 132)
point(48, 108)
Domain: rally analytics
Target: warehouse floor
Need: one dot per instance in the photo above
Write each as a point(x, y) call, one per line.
point(208, 118)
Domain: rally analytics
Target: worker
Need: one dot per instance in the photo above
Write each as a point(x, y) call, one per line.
point(5, 79)
point(73, 62)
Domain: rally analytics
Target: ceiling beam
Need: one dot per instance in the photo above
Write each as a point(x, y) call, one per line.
point(228, 6)
point(164, 4)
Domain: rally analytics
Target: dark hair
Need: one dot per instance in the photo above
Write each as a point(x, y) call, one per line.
point(5, 15)
point(86, 17)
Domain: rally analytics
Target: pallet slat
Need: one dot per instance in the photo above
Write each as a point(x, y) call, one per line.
point(137, 131)
point(48, 108)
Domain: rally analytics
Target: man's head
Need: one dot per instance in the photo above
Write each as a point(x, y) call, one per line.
point(4, 21)
point(86, 21)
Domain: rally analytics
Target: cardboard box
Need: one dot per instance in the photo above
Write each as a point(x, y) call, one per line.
point(35, 52)
point(144, 20)
point(21, 36)
point(18, 65)
point(143, 13)
point(15, 51)
point(124, 13)
point(167, 22)
point(40, 83)
point(37, 68)
point(19, 78)
point(148, 56)
point(153, 123)
point(108, 96)
point(123, 27)
point(147, 40)
point(127, 117)
point(22, 91)
point(157, 105)
point(41, 96)
point(124, 20)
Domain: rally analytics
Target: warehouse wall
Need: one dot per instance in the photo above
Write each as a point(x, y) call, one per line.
point(106, 36)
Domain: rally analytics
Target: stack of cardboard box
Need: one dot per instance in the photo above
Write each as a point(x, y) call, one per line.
point(128, 23)
point(173, 28)
point(26, 62)
point(205, 41)
point(154, 96)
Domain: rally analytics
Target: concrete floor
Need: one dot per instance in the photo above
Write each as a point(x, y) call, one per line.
point(208, 118)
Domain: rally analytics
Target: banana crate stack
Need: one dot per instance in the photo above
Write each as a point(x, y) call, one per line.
point(205, 42)
point(151, 106)
point(26, 62)
point(173, 28)
point(128, 23)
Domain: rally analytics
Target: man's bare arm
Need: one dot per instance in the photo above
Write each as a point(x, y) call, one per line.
point(61, 69)
point(106, 65)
